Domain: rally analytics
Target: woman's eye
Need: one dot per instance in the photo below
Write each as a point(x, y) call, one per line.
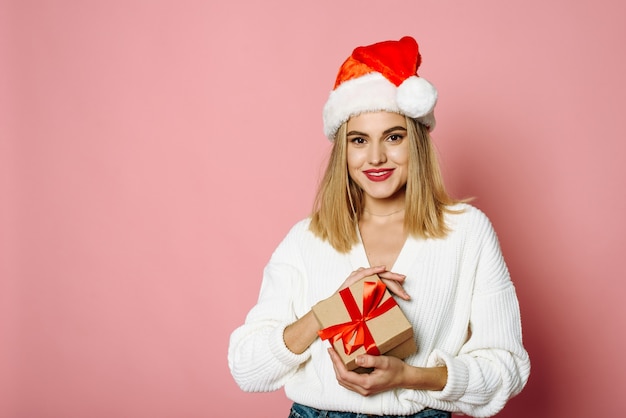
point(395, 137)
point(357, 140)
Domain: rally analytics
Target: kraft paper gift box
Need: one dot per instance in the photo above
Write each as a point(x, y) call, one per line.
point(381, 329)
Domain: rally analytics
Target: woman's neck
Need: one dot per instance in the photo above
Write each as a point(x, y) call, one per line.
point(384, 209)
point(383, 215)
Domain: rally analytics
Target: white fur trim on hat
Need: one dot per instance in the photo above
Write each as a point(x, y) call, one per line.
point(415, 98)
point(369, 93)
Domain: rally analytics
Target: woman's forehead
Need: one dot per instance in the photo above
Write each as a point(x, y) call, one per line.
point(375, 122)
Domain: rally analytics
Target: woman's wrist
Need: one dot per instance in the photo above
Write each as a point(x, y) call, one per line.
point(301, 334)
point(426, 378)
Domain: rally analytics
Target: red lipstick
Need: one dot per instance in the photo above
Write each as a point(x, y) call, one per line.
point(378, 174)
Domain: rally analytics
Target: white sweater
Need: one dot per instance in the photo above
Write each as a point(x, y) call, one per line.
point(463, 308)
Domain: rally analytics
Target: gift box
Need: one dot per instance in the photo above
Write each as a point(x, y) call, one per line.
point(365, 318)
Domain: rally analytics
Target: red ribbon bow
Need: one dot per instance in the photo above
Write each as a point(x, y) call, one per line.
point(356, 334)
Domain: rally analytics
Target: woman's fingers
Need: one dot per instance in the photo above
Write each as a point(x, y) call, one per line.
point(361, 273)
point(364, 272)
point(396, 288)
point(394, 282)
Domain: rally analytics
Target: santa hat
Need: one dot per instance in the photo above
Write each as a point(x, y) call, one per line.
point(381, 77)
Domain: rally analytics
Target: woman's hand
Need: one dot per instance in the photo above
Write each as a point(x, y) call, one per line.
point(393, 281)
point(388, 373)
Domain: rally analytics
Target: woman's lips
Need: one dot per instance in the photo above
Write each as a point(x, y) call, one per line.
point(379, 174)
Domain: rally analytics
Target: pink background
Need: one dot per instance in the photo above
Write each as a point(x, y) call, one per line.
point(153, 154)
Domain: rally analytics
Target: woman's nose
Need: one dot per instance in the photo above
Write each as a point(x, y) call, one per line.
point(377, 154)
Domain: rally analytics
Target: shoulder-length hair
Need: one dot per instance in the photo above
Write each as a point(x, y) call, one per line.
point(339, 201)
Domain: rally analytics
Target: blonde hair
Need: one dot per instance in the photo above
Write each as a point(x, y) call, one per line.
point(339, 201)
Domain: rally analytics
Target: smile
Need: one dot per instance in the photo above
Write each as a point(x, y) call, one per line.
point(378, 174)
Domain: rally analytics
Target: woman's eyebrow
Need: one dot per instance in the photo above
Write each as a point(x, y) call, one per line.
point(387, 131)
point(395, 128)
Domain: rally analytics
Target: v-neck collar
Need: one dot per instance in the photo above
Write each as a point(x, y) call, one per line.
point(406, 256)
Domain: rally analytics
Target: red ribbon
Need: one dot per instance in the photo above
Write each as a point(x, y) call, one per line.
point(355, 333)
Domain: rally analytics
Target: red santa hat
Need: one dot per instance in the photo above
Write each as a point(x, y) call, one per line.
point(381, 77)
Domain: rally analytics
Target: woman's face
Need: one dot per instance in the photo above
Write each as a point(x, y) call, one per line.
point(378, 154)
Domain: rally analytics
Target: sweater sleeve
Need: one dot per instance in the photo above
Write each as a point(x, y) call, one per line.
point(258, 358)
point(492, 366)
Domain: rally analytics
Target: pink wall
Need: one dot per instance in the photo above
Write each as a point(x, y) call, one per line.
point(153, 153)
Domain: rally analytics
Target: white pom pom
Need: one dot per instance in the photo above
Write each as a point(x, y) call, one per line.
point(416, 97)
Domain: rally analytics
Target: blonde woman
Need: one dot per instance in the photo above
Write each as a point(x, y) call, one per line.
point(382, 209)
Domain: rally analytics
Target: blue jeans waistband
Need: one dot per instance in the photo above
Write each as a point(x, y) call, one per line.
point(303, 411)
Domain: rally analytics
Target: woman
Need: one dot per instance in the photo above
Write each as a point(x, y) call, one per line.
point(382, 209)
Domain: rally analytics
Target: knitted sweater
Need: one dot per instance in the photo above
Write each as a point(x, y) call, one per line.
point(463, 309)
